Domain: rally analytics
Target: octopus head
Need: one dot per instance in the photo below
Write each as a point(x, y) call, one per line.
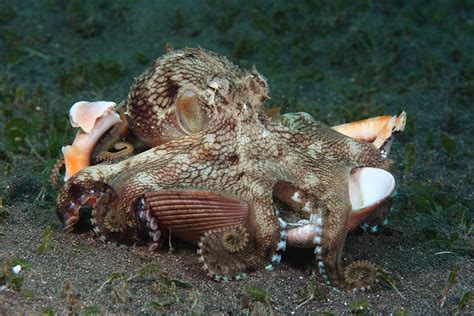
point(174, 97)
point(187, 91)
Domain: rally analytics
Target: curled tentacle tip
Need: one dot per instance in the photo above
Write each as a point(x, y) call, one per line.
point(361, 275)
point(235, 239)
point(124, 150)
point(53, 176)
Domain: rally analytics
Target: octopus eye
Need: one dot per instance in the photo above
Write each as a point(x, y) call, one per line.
point(191, 118)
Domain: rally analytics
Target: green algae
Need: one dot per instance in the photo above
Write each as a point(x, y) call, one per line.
point(257, 293)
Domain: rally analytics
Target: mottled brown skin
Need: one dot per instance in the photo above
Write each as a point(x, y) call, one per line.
point(232, 149)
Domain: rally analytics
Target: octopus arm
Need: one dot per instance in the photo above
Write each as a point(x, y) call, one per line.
point(332, 208)
point(232, 252)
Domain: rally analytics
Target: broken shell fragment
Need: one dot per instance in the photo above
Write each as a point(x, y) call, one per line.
point(84, 114)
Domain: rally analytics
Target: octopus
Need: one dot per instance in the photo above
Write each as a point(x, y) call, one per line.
point(215, 170)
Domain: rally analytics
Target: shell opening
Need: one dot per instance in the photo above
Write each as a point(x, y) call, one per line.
point(369, 186)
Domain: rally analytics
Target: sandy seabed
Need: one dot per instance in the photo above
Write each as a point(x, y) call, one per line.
point(339, 62)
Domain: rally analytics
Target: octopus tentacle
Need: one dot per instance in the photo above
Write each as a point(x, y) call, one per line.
point(235, 240)
point(379, 131)
point(73, 197)
point(110, 139)
point(232, 252)
point(320, 232)
point(361, 275)
point(326, 208)
point(328, 238)
point(329, 217)
point(154, 232)
point(84, 188)
point(71, 215)
point(281, 246)
point(268, 231)
point(124, 217)
point(223, 253)
point(124, 150)
point(112, 223)
point(334, 144)
point(53, 175)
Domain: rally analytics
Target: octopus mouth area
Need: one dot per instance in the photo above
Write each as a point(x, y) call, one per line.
point(368, 187)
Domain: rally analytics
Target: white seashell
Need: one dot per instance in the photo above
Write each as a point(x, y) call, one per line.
point(84, 114)
point(16, 269)
point(369, 186)
point(94, 119)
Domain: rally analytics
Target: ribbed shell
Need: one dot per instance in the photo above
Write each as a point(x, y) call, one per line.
point(188, 214)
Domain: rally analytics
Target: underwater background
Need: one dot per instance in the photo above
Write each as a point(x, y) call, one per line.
point(340, 61)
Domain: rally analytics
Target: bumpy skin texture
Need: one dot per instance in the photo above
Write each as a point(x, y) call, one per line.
point(231, 149)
